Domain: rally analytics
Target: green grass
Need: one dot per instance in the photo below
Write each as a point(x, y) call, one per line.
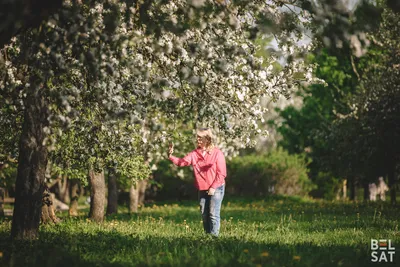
point(271, 232)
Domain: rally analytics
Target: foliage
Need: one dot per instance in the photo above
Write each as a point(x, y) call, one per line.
point(171, 183)
point(350, 128)
point(105, 145)
point(8, 176)
point(328, 186)
point(274, 173)
point(203, 71)
point(344, 24)
point(370, 133)
point(305, 128)
point(141, 69)
point(273, 231)
point(309, 128)
point(253, 175)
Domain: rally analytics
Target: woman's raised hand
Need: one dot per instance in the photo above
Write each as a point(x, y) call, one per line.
point(171, 149)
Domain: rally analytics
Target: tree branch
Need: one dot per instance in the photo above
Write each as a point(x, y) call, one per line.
point(354, 67)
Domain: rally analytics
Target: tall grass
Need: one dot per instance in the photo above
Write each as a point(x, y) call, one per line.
point(261, 232)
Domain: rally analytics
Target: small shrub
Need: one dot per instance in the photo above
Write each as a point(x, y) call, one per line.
point(328, 186)
point(274, 173)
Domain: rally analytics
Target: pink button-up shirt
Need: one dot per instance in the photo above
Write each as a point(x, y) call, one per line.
point(209, 170)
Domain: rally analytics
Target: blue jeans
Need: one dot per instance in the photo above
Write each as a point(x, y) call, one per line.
point(210, 207)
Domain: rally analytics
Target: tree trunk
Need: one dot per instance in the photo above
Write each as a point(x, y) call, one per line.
point(97, 195)
point(352, 189)
point(48, 214)
point(2, 202)
point(142, 191)
point(74, 193)
point(49, 170)
point(112, 204)
point(63, 187)
point(366, 190)
point(32, 164)
point(134, 198)
point(392, 182)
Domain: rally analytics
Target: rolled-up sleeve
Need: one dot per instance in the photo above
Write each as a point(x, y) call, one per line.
point(220, 171)
point(185, 161)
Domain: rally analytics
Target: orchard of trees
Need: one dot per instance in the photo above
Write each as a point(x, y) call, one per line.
point(90, 89)
point(350, 128)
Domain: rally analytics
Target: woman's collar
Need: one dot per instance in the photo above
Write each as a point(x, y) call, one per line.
point(201, 150)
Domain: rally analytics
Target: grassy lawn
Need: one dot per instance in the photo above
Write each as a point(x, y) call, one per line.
point(271, 232)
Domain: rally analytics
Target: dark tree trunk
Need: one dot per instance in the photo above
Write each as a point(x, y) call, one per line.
point(392, 182)
point(63, 186)
point(352, 189)
point(97, 196)
point(142, 191)
point(134, 198)
point(32, 164)
point(344, 197)
point(112, 204)
point(366, 190)
point(82, 191)
point(74, 193)
point(2, 191)
point(48, 214)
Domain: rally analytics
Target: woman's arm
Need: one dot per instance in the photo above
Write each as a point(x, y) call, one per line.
point(185, 161)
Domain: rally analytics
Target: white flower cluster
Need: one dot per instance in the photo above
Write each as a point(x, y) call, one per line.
point(209, 74)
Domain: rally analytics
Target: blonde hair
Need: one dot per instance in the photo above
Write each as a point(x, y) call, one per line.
point(207, 133)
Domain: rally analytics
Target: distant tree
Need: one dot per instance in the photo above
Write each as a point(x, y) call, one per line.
point(350, 127)
point(304, 129)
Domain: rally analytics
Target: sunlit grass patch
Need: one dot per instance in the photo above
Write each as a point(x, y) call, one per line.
point(267, 232)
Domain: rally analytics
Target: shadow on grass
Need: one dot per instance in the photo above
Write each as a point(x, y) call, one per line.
point(270, 222)
point(191, 207)
point(320, 215)
point(116, 249)
point(65, 246)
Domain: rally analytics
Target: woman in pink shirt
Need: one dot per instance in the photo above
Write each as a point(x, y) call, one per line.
point(209, 169)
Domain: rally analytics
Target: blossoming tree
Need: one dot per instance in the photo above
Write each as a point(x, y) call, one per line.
point(160, 61)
